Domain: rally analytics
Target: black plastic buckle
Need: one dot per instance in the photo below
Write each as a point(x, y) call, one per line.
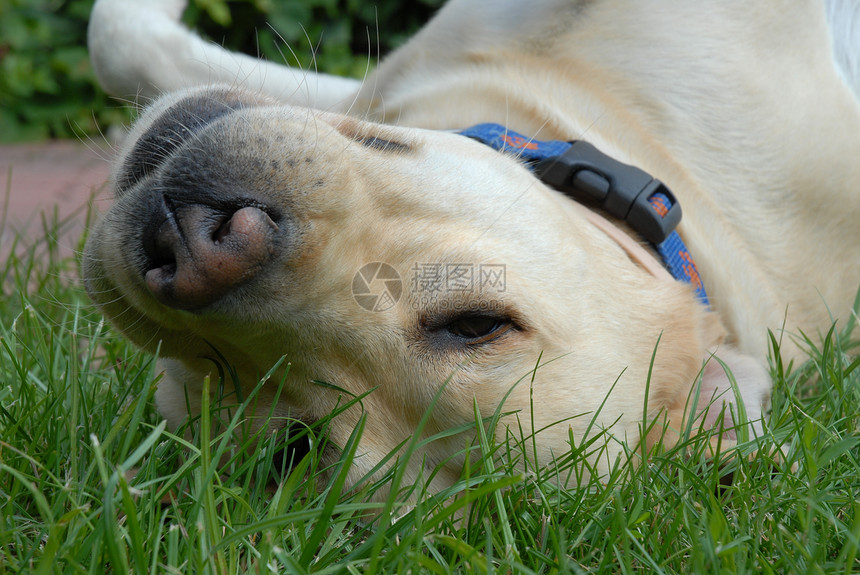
point(588, 175)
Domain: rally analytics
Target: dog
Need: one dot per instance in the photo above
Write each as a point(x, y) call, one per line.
point(351, 228)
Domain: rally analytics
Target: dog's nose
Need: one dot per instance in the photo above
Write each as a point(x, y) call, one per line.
point(196, 254)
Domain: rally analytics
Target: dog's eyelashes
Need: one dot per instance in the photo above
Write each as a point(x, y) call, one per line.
point(373, 137)
point(473, 329)
point(383, 145)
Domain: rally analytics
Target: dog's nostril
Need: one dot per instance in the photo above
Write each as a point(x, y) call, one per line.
point(223, 230)
point(197, 254)
point(164, 258)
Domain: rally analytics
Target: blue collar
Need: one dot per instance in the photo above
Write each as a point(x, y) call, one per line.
point(582, 172)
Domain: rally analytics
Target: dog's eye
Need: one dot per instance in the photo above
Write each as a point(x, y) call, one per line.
point(475, 328)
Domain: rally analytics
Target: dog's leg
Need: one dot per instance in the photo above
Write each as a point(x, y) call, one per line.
point(142, 49)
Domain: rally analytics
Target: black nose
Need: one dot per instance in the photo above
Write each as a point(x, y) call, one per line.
point(197, 253)
point(172, 128)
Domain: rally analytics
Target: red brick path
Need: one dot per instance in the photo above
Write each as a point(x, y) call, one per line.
point(63, 176)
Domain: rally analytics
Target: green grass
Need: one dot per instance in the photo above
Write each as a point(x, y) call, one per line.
point(92, 482)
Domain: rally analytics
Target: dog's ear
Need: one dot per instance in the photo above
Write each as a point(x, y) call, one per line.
point(734, 388)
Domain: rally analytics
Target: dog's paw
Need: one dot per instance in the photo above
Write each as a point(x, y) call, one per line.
point(735, 391)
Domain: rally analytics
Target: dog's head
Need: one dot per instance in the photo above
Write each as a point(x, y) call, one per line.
point(415, 264)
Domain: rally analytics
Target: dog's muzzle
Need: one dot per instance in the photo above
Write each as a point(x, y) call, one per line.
point(203, 233)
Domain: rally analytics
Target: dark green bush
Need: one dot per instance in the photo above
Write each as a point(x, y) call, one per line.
point(48, 89)
point(336, 36)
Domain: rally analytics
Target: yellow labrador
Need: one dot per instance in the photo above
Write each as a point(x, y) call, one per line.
point(340, 224)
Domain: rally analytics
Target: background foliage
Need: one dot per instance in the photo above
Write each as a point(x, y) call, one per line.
point(48, 89)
